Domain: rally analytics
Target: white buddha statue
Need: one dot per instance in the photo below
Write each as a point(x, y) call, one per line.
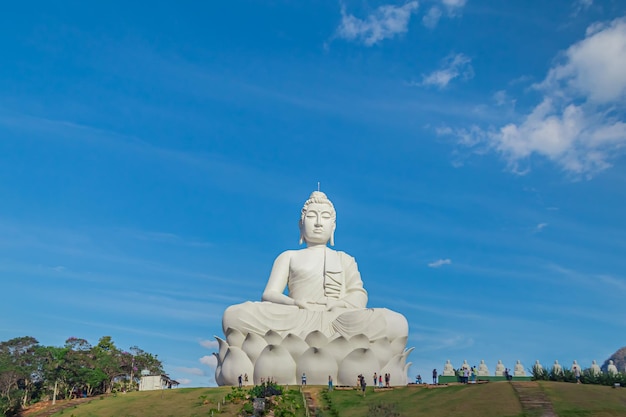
point(595, 368)
point(537, 368)
point(482, 368)
point(448, 369)
point(499, 368)
point(557, 369)
point(611, 368)
point(325, 306)
point(519, 369)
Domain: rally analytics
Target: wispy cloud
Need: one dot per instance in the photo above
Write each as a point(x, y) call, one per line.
point(580, 6)
point(209, 344)
point(439, 263)
point(184, 381)
point(434, 14)
point(209, 360)
point(191, 371)
point(578, 124)
point(384, 23)
point(453, 66)
point(540, 227)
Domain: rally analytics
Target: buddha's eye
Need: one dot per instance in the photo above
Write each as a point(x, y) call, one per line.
point(326, 215)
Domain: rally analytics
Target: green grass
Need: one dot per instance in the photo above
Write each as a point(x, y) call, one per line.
point(484, 400)
point(189, 402)
point(581, 400)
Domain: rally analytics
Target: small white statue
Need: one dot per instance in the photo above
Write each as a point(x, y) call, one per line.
point(499, 368)
point(595, 369)
point(482, 368)
point(612, 369)
point(557, 369)
point(537, 368)
point(576, 365)
point(519, 369)
point(465, 365)
point(448, 369)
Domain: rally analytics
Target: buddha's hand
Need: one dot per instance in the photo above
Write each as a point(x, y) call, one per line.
point(334, 304)
point(302, 304)
point(330, 303)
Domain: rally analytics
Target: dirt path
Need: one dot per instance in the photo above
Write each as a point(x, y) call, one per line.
point(533, 399)
point(312, 398)
point(46, 409)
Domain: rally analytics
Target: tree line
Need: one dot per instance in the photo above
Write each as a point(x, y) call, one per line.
point(30, 372)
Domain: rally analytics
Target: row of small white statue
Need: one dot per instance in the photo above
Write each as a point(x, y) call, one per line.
point(448, 369)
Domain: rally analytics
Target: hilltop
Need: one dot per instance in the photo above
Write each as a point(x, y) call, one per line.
point(499, 399)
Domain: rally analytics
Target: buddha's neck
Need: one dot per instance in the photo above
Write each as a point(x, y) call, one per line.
point(316, 246)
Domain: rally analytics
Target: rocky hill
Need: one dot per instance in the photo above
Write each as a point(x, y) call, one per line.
point(618, 358)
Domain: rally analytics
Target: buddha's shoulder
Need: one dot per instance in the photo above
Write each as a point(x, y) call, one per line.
point(344, 256)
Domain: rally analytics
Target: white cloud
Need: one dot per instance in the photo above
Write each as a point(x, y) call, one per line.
point(192, 371)
point(209, 360)
point(184, 381)
point(434, 14)
point(209, 344)
point(454, 66)
point(431, 18)
point(578, 123)
point(454, 6)
point(439, 263)
point(385, 22)
point(540, 227)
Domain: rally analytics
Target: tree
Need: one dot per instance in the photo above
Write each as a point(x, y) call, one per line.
point(18, 364)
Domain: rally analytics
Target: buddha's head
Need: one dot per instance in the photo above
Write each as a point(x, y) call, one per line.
point(318, 220)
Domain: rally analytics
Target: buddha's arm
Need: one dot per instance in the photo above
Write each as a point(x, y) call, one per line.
point(278, 281)
point(356, 296)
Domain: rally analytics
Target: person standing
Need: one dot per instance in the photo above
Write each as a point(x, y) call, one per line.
point(240, 379)
point(375, 378)
point(303, 378)
point(435, 376)
point(330, 383)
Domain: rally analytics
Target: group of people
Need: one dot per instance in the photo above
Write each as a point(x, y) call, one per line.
point(418, 378)
point(378, 380)
point(467, 374)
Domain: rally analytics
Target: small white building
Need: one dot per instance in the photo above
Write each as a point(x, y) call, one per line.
point(156, 382)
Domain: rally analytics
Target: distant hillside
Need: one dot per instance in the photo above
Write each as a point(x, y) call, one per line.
point(618, 358)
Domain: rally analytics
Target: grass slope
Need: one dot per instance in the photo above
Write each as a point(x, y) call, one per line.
point(484, 400)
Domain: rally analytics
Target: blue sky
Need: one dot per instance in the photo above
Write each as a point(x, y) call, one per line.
point(154, 159)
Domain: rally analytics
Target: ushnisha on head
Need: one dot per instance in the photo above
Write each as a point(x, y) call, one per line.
point(318, 220)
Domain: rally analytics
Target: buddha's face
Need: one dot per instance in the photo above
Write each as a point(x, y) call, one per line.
point(318, 224)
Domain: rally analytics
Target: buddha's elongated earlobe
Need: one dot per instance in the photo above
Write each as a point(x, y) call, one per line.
point(301, 239)
point(332, 238)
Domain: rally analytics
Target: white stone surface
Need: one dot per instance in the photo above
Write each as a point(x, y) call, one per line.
point(557, 368)
point(323, 322)
point(519, 369)
point(448, 369)
point(611, 368)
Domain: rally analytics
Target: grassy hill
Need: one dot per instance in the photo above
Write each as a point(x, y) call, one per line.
point(499, 399)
